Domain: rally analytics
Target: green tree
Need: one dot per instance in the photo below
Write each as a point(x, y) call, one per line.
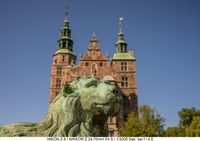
point(189, 124)
point(147, 122)
point(194, 129)
point(186, 116)
point(175, 132)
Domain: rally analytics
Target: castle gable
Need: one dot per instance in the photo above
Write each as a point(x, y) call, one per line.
point(94, 53)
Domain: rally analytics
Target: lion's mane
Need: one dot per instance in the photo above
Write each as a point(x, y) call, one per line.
point(62, 120)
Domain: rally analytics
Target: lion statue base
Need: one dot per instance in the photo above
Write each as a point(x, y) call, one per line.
point(80, 109)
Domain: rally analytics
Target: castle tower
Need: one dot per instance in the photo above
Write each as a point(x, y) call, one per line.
point(123, 62)
point(121, 70)
point(62, 58)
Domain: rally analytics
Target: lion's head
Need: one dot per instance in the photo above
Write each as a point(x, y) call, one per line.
point(82, 109)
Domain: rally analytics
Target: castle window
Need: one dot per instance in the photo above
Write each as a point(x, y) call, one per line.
point(58, 83)
point(126, 102)
point(63, 58)
point(86, 64)
point(59, 70)
point(124, 81)
point(123, 66)
point(101, 64)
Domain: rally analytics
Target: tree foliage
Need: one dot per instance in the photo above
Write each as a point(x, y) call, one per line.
point(175, 132)
point(186, 116)
point(147, 122)
point(189, 124)
point(194, 129)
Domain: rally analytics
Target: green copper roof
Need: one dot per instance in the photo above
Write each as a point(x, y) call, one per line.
point(123, 56)
point(66, 23)
point(120, 41)
point(64, 51)
point(64, 37)
point(120, 38)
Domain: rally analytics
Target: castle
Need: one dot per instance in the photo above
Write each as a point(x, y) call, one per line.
point(120, 69)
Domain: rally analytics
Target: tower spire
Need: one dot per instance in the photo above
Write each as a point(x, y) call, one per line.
point(65, 42)
point(66, 11)
point(121, 45)
point(94, 37)
point(94, 45)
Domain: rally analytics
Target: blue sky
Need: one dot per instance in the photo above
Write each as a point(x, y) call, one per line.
point(165, 35)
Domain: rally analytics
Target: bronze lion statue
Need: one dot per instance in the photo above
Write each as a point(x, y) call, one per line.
point(80, 109)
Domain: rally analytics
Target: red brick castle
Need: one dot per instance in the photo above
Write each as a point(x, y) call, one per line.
point(120, 68)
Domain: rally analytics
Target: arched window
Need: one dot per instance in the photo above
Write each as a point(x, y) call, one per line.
point(124, 81)
point(58, 83)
